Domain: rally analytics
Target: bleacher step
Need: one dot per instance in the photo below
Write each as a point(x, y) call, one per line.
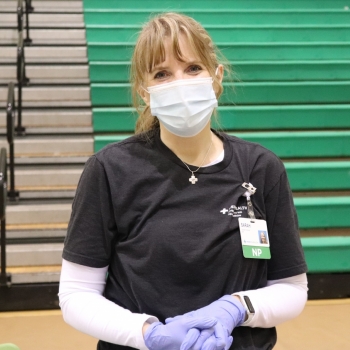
point(34, 254)
point(151, 5)
point(38, 214)
point(47, 193)
point(327, 254)
point(325, 232)
point(43, 231)
point(223, 16)
point(51, 118)
point(234, 33)
point(47, 177)
point(46, 54)
point(35, 274)
point(54, 96)
point(46, 36)
point(49, 74)
point(52, 146)
point(42, 20)
point(323, 212)
point(290, 117)
point(42, 5)
point(56, 159)
point(312, 176)
point(303, 144)
point(35, 131)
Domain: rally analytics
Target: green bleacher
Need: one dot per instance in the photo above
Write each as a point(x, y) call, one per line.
point(292, 95)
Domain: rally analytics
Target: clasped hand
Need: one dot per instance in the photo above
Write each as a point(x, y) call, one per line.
point(208, 328)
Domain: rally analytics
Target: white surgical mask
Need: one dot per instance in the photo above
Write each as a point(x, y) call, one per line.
point(184, 106)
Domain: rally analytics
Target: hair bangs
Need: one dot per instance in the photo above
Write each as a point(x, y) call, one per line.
point(163, 28)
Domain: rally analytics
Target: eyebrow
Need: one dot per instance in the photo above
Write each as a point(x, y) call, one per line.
point(158, 68)
point(165, 67)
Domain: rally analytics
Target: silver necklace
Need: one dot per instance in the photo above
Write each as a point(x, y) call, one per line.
point(194, 179)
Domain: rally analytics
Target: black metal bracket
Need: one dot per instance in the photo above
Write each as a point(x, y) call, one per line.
point(13, 196)
point(5, 280)
point(20, 130)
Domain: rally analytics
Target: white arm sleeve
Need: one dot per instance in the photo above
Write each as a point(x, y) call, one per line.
point(86, 309)
point(280, 301)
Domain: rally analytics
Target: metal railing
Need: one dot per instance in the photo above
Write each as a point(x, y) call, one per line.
point(5, 278)
point(10, 132)
point(20, 9)
point(12, 194)
point(21, 62)
point(21, 81)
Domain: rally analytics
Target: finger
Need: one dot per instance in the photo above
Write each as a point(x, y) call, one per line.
point(190, 338)
point(200, 322)
point(230, 341)
point(221, 336)
point(209, 344)
point(204, 335)
point(171, 319)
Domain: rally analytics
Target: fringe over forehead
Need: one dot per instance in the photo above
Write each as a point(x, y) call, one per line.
point(150, 51)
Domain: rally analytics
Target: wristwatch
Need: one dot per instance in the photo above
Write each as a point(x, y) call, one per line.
point(245, 300)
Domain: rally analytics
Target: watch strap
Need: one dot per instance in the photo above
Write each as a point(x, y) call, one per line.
point(246, 302)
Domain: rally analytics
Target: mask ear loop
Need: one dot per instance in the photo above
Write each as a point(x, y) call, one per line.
point(216, 73)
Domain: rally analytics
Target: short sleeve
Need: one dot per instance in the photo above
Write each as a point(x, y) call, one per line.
point(287, 256)
point(92, 228)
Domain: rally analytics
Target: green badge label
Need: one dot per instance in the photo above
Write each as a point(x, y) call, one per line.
point(254, 252)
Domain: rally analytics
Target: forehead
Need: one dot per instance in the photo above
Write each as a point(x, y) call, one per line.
point(170, 49)
point(183, 52)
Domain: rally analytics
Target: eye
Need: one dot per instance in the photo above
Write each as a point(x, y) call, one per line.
point(161, 75)
point(194, 68)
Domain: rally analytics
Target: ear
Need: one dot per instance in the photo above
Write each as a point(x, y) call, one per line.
point(220, 73)
point(144, 95)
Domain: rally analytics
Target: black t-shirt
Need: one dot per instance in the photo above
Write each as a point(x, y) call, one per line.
point(170, 246)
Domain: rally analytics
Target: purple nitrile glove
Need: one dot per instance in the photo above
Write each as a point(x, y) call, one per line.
point(170, 336)
point(205, 339)
point(228, 310)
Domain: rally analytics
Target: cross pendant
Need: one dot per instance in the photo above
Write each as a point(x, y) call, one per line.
point(193, 179)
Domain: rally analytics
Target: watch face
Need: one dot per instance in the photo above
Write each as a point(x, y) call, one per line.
point(249, 304)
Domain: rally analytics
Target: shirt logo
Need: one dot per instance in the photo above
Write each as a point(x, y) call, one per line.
point(234, 211)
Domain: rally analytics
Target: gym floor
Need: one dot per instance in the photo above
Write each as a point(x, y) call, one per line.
point(323, 325)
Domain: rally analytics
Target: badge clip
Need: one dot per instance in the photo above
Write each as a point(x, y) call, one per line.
point(250, 191)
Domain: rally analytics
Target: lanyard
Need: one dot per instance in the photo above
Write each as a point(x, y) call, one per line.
point(250, 191)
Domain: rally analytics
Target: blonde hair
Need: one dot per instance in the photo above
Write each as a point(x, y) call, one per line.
point(149, 52)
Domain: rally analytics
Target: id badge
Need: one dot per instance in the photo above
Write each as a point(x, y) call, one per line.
point(255, 239)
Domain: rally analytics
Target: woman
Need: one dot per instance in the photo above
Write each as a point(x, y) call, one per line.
point(168, 215)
